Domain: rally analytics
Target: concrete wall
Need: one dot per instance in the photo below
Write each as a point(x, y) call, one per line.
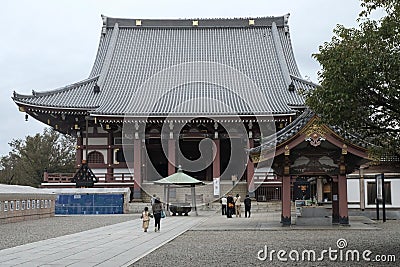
point(20, 207)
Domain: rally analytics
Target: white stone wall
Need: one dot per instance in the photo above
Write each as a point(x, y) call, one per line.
point(353, 192)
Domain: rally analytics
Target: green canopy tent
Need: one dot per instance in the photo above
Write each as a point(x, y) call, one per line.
point(180, 179)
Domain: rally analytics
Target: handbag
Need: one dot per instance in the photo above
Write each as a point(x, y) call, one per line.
point(162, 214)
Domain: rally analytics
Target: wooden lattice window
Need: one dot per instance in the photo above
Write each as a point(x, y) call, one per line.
point(95, 157)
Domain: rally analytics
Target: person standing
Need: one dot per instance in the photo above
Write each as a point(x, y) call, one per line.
point(146, 218)
point(247, 206)
point(157, 208)
point(223, 203)
point(238, 203)
point(230, 207)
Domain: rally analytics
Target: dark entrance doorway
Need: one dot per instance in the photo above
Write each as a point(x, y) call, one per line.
point(157, 168)
point(190, 150)
point(301, 189)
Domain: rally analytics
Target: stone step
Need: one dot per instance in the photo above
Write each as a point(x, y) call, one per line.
point(300, 221)
point(138, 207)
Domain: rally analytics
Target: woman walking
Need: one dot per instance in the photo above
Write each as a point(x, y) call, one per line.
point(157, 208)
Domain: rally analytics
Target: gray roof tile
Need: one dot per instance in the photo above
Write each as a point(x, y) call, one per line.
point(65, 97)
point(229, 66)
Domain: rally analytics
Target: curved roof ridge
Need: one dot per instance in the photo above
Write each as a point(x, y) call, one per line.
point(355, 138)
point(108, 56)
point(303, 119)
point(301, 85)
point(281, 21)
point(300, 79)
point(55, 91)
point(281, 54)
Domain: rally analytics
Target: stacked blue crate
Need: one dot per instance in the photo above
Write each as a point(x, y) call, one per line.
point(89, 204)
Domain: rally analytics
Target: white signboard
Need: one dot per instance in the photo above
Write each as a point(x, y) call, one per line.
point(216, 186)
point(379, 187)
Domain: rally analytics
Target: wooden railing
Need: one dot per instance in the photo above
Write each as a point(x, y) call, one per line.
point(103, 177)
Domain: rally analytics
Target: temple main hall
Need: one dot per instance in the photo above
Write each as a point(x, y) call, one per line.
point(219, 98)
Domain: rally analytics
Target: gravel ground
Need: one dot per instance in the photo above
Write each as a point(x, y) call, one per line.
point(240, 248)
point(205, 247)
point(19, 233)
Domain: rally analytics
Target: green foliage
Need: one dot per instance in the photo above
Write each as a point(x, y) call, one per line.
point(360, 81)
point(27, 160)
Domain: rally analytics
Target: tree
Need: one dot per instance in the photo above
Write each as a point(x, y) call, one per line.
point(27, 160)
point(359, 81)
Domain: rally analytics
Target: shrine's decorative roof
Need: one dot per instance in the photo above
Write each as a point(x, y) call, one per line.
point(186, 67)
point(298, 125)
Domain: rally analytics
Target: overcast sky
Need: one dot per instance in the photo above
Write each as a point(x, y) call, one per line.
point(46, 44)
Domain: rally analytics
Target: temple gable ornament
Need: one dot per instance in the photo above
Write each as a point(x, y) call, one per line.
point(315, 135)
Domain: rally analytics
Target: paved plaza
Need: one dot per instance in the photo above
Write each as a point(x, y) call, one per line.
point(209, 239)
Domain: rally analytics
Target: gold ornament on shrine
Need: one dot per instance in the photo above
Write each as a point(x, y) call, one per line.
point(315, 134)
point(344, 149)
point(287, 150)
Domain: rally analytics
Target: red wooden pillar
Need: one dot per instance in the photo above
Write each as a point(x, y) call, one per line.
point(217, 160)
point(137, 168)
point(110, 169)
point(335, 201)
point(79, 151)
point(250, 172)
point(45, 176)
point(342, 189)
point(171, 156)
point(343, 209)
point(286, 217)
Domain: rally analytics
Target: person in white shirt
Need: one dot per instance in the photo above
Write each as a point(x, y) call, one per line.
point(152, 200)
point(223, 203)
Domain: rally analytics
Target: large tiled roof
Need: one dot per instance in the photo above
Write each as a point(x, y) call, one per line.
point(186, 67)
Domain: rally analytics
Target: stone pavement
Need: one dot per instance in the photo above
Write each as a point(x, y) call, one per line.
point(124, 243)
point(271, 222)
point(115, 245)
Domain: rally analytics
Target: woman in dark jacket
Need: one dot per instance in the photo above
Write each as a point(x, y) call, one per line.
point(247, 206)
point(157, 207)
point(231, 206)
